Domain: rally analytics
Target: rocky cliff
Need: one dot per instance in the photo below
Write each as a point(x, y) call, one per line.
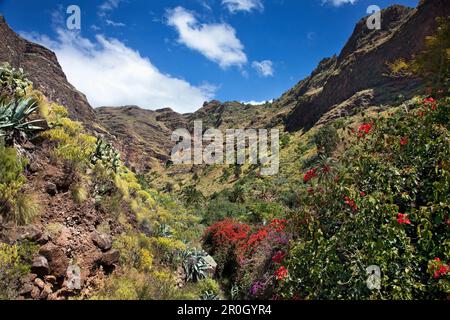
point(357, 77)
point(43, 69)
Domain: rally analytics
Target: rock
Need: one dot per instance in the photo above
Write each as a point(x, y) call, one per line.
point(31, 233)
point(51, 188)
point(212, 266)
point(40, 266)
point(102, 241)
point(46, 292)
point(29, 278)
point(35, 293)
point(26, 289)
point(110, 258)
point(57, 260)
point(73, 278)
point(39, 283)
point(34, 167)
point(50, 279)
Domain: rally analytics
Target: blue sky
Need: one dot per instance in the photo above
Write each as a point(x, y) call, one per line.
point(179, 53)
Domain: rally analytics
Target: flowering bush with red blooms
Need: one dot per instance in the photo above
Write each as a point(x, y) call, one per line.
point(281, 273)
point(403, 219)
point(249, 251)
point(404, 141)
point(223, 239)
point(439, 269)
point(278, 257)
point(402, 164)
point(311, 174)
point(227, 232)
point(351, 203)
point(364, 129)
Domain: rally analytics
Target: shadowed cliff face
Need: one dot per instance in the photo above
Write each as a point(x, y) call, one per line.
point(362, 65)
point(43, 69)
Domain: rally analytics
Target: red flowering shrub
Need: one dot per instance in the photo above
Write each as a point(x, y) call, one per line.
point(249, 253)
point(223, 240)
point(402, 164)
point(311, 174)
point(281, 273)
point(403, 219)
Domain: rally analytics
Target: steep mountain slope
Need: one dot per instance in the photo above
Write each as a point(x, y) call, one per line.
point(357, 77)
point(143, 136)
point(43, 69)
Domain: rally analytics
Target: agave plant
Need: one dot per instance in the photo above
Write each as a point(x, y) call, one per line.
point(164, 231)
point(209, 296)
point(107, 155)
point(194, 264)
point(14, 123)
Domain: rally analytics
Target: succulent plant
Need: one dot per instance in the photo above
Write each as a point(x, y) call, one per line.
point(209, 296)
point(107, 155)
point(164, 231)
point(194, 264)
point(13, 82)
point(14, 123)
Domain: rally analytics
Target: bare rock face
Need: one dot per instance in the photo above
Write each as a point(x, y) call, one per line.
point(44, 71)
point(362, 64)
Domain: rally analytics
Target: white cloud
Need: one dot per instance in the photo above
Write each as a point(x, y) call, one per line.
point(257, 103)
point(264, 68)
point(108, 6)
point(114, 23)
point(338, 3)
point(217, 42)
point(243, 5)
point(112, 74)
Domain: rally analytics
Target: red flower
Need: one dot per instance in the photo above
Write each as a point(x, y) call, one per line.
point(326, 169)
point(429, 100)
point(403, 219)
point(281, 273)
point(278, 257)
point(363, 194)
point(365, 128)
point(278, 224)
point(404, 141)
point(351, 203)
point(311, 174)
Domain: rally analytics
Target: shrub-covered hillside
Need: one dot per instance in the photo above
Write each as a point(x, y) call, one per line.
point(68, 203)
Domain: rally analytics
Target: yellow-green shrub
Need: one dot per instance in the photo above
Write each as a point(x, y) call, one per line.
point(14, 263)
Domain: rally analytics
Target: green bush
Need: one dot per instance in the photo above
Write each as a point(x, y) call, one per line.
point(385, 203)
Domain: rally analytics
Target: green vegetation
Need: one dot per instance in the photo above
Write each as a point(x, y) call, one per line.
point(14, 263)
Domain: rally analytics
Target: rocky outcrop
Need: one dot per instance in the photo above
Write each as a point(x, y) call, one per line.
point(43, 69)
point(362, 64)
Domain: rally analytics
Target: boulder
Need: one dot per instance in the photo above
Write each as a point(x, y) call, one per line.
point(40, 266)
point(46, 292)
point(35, 293)
point(102, 241)
point(26, 289)
point(57, 259)
point(51, 188)
point(39, 283)
point(73, 278)
point(212, 266)
point(110, 258)
point(31, 233)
